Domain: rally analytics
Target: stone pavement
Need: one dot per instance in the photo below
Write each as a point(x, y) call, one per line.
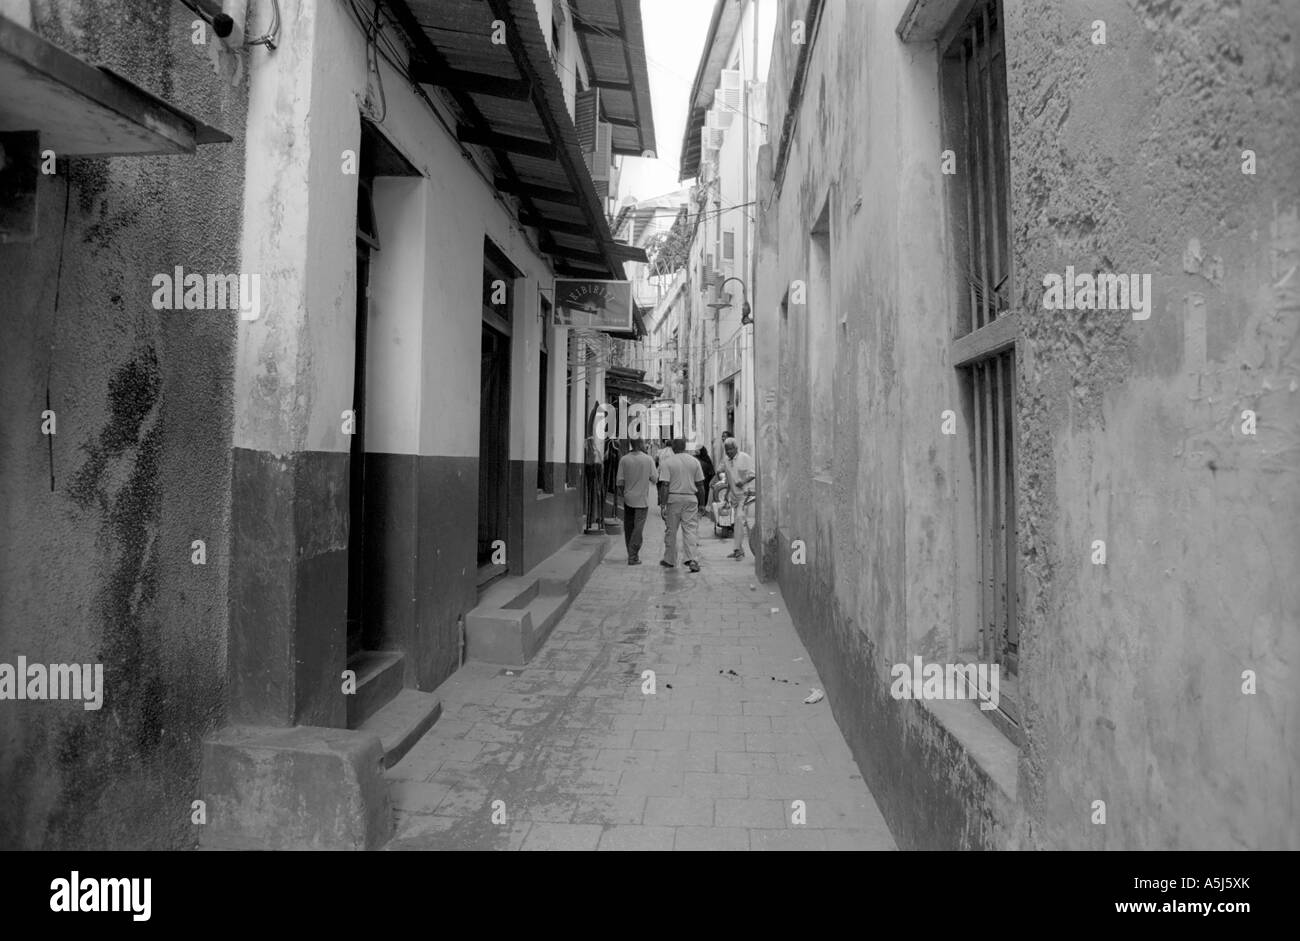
point(582, 759)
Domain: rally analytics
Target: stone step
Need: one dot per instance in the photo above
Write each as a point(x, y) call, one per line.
point(514, 617)
point(401, 722)
point(379, 679)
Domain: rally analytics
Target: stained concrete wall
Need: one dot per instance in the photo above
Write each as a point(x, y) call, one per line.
point(98, 569)
point(1129, 431)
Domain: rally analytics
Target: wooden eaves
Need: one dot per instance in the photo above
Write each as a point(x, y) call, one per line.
point(512, 104)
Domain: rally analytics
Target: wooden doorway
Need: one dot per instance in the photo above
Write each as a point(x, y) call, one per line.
point(494, 414)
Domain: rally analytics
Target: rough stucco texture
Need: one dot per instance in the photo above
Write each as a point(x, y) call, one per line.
point(100, 570)
point(1126, 158)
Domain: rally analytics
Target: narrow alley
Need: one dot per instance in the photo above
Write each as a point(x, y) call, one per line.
point(343, 339)
point(582, 759)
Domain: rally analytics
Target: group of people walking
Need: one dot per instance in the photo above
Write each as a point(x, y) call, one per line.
point(684, 484)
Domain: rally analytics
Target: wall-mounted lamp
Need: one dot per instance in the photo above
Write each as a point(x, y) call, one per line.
point(745, 315)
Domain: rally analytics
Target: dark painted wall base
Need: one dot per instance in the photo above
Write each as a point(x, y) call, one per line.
point(289, 570)
point(288, 588)
point(420, 532)
point(540, 524)
point(932, 795)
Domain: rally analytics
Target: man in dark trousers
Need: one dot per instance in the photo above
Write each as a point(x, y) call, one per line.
point(681, 491)
point(636, 472)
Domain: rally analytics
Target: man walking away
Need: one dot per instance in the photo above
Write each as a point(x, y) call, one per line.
point(636, 472)
point(739, 468)
point(681, 490)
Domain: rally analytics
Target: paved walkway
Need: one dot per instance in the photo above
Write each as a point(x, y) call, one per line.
point(582, 759)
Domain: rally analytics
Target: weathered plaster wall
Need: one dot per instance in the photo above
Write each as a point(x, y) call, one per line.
point(882, 529)
point(99, 569)
point(1129, 159)
point(1121, 155)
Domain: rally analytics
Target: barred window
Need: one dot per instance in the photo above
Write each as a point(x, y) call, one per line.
point(974, 81)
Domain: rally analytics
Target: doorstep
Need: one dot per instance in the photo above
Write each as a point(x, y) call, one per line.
point(515, 615)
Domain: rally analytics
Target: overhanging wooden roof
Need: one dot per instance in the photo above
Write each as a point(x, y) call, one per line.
point(510, 102)
point(613, 45)
point(717, 44)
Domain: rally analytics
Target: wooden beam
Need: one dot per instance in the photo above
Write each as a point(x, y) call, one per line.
point(554, 225)
point(517, 145)
point(609, 32)
point(426, 73)
point(628, 252)
point(622, 122)
point(612, 85)
point(568, 271)
point(993, 337)
point(575, 170)
point(563, 197)
point(424, 50)
point(571, 254)
point(627, 64)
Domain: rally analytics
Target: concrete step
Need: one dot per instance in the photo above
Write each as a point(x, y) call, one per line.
point(514, 617)
point(401, 722)
point(300, 787)
point(565, 572)
point(379, 679)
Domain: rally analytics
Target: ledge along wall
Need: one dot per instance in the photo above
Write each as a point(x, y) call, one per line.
point(1130, 673)
point(99, 570)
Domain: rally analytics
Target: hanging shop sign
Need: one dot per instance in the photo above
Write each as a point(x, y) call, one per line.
point(593, 305)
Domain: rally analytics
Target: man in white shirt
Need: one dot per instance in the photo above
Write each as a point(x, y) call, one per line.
point(681, 488)
point(739, 468)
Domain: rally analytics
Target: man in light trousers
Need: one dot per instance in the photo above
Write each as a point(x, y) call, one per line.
point(681, 486)
point(739, 468)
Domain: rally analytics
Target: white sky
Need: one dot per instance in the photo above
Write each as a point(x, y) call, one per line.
point(674, 38)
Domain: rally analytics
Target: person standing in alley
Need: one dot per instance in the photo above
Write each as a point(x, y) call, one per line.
point(739, 468)
point(664, 452)
point(681, 491)
point(636, 472)
point(706, 463)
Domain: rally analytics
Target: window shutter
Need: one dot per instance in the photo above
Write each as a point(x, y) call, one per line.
point(604, 154)
point(730, 89)
point(720, 116)
point(586, 113)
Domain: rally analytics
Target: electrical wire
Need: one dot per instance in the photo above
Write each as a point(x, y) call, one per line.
point(272, 35)
point(372, 67)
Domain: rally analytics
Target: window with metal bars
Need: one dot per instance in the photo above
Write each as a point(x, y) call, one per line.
point(975, 112)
